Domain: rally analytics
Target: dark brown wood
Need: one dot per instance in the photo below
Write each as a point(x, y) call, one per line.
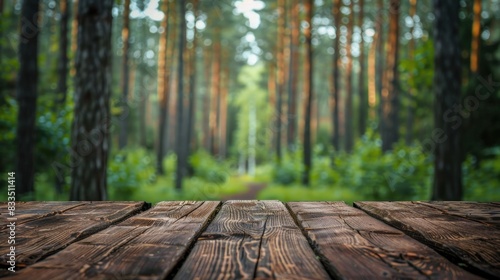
point(32, 210)
point(354, 245)
point(488, 213)
point(148, 245)
point(252, 239)
point(474, 245)
point(40, 233)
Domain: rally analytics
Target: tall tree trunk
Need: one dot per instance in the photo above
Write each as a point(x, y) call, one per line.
point(390, 92)
point(122, 140)
point(308, 69)
point(223, 111)
point(372, 77)
point(27, 82)
point(62, 84)
point(181, 141)
point(348, 124)
point(215, 95)
point(476, 37)
point(363, 96)
point(336, 76)
point(380, 78)
point(143, 100)
point(447, 87)
point(62, 79)
point(90, 130)
point(74, 35)
point(411, 94)
point(191, 115)
point(281, 76)
point(293, 75)
point(163, 90)
point(252, 136)
point(207, 59)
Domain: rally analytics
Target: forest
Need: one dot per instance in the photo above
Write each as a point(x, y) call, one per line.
point(249, 99)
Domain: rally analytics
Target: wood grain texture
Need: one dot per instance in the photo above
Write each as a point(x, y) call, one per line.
point(252, 240)
point(474, 245)
point(32, 210)
point(45, 231)
point(482, 212)
point(145, 246)
point(353, 245)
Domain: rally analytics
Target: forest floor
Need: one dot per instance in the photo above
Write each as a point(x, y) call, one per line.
point(251, 193)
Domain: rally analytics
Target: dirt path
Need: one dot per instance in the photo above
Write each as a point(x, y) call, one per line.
point(251, 193)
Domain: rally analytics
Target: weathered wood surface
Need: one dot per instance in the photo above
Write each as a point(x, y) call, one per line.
point(50, 227)
point(252, 240)
point(146, 246)
point(32, 210)
point(353, 245)
point(487, 213)
point(473, 244)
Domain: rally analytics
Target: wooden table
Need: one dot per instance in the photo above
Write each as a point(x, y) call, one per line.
point(253, 240)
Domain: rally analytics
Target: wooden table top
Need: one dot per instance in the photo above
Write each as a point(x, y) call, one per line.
point(247, 239)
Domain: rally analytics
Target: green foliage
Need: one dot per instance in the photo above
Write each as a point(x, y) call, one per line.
point(482, 179)
point(208, 169)
point(8, 120)
point(402, 174)
point(128, 171)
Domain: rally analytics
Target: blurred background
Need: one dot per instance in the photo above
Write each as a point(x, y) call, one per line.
point(221, 99)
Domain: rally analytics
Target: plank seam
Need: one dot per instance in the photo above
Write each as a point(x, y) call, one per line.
point(86, 234)
point(187, 251)
point(433, 245)
point(329, 268)
point(382, 249)
point(260, 247)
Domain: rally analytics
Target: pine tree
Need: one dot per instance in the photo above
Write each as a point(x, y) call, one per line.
point(92, 120)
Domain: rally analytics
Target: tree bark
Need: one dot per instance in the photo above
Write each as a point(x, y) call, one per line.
point(308, 69)
point(92, 120)
point(336, 76)
point(390, 92)
point(447, 87)
point(181, 137)
point(122, 139)
point(27, 81)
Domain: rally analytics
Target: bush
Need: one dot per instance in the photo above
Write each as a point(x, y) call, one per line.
point(208, 169)
point(128, 171)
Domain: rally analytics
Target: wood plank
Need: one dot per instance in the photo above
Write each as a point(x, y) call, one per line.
point(32, 210)
point(252, 240)
point(354, 245)
point(42, 232)
point(482, 212)
point(146, 246)
point(472, 244)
